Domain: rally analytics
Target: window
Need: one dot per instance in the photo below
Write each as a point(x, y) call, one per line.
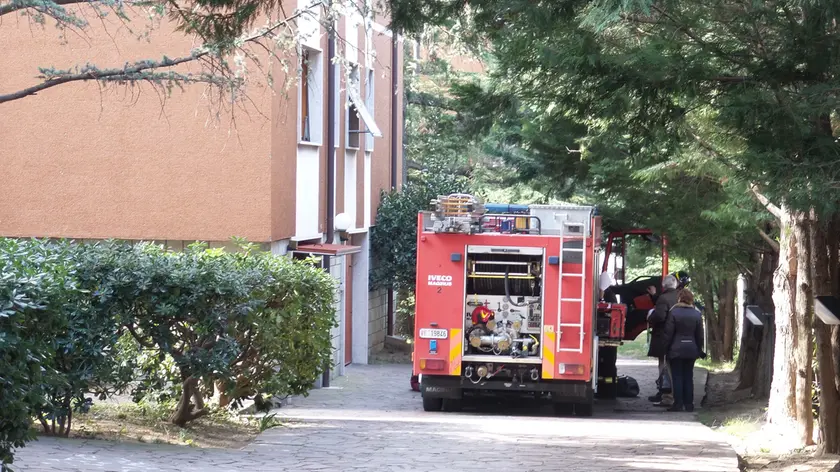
point(353, 125)
point(305, 131)
point(311, 97)
point(370, 102)
point(337, 105)
point(358, 112)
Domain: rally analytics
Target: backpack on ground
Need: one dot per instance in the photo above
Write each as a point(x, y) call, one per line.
point(627, 386)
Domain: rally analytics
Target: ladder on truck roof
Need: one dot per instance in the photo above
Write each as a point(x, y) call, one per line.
point(564, 249)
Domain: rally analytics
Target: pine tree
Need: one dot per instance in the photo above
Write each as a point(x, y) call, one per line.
point(744, 93)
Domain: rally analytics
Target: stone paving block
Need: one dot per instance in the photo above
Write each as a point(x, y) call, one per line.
point(372, 421)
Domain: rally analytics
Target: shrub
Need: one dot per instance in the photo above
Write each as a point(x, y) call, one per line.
point(26, 329)
point(405, 314)
point(92, 318)
point(394, 237)
point(280, 361)
point(54, 347)
point(247, 323)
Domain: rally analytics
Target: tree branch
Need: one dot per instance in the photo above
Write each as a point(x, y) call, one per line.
point(772, 208)
point(127, 74)
point(40, 5)
point(142, 70)
point(696, 37)
point(766, 237)
point(140, 340)
point(459, 171)
point(427, 100)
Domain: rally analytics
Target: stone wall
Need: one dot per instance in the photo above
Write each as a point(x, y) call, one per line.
point(337, 333)
point(378, 319)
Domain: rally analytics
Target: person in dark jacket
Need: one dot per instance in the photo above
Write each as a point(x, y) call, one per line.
point(658, 343)
point(684, 334)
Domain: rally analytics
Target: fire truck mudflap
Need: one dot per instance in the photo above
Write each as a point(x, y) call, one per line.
point(507, 304)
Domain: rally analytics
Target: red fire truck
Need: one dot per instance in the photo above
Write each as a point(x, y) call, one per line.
point(508, 303)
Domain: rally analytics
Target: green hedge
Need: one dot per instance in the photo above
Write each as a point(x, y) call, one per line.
point(79, 318)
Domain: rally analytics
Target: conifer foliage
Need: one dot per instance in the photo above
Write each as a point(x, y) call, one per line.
point(714, 121)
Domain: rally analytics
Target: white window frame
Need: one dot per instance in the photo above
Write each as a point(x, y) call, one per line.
point(337, 105)
point(370, 103)
point(355, 100)
point(315, 87)
point(351, 138)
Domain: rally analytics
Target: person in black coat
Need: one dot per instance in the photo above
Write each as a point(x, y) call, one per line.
point(658, 343)
point(684, 334)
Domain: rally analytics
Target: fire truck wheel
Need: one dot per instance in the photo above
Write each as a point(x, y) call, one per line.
point(564, 409)
point(583, 409)
point(451, 404)
point(607, 390)
point(432, 404)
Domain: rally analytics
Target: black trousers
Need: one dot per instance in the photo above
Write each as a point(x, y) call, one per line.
point(682, 372)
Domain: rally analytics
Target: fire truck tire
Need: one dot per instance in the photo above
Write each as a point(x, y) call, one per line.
point(608, 372)
point(451, 404)
point(432, 404)
point(607, 390)
point(583, 409)
point(564, 409)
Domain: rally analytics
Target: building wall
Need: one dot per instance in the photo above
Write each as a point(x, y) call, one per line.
point(338, 271)
point(460, 59)
point(84, 161)
point(361, 293)
point(124, 162)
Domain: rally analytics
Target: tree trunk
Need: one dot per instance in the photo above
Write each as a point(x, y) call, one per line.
point(243, 388)
point(44, 423)
point(713, 334)
point(69, 421)
point(726, 317)
point(804, 331)
point(827, 373)
point(833, 244)
point(766, 355)
point(184, 413)
point(767, 348)
point(790, 400)
point(65, 419)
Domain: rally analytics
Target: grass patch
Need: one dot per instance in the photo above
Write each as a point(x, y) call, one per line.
point(636, 349)
point(708, 364)
point(741, 427)
point(149, 423)
point(737, 422)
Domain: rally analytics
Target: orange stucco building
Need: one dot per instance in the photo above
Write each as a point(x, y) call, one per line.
point(87, 160)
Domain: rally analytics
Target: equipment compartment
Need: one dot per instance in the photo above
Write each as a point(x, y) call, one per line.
point(503, 302)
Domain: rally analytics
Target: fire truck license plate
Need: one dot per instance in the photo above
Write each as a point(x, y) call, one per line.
point(427, 333)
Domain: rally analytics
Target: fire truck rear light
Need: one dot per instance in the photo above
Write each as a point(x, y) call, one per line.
point(570, 369)
point(432, 364)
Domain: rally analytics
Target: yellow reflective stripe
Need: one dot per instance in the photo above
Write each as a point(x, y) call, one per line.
point(455, 350)
point(549, 342)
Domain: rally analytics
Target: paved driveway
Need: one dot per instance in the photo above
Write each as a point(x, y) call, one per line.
point(371, 421)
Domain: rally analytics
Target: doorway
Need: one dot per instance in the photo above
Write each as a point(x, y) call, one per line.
point(348, 310)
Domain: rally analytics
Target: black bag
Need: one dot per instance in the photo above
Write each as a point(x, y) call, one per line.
point(627, 387)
